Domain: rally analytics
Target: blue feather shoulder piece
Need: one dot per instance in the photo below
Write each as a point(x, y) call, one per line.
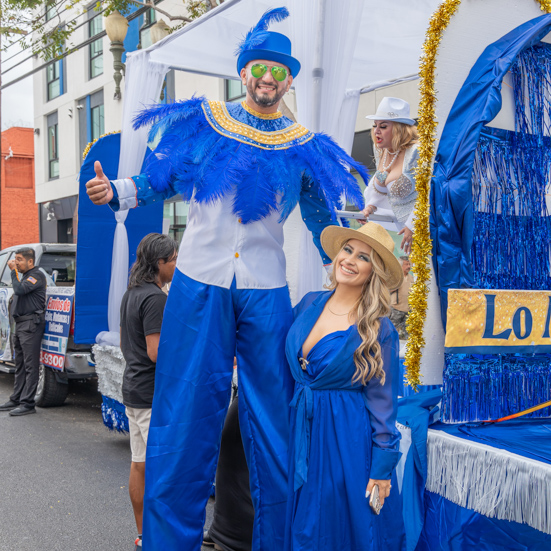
point(164, 116)
point(329, 167)
point(176, 124)
point(200, 158)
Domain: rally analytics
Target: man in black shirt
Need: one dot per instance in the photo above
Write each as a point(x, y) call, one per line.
point(29, 288)
point(142, 310)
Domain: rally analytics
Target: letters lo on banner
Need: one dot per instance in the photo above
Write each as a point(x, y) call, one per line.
point(483, 321)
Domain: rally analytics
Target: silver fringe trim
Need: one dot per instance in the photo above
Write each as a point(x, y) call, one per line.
point(493, 482)
point(110, 366)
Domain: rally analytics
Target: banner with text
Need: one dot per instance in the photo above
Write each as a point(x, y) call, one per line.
point(480, 321)
point(59, 307)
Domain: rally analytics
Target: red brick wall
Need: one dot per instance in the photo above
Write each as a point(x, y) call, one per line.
point(18, 209)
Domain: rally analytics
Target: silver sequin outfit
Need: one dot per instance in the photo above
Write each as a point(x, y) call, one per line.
point(398, 196)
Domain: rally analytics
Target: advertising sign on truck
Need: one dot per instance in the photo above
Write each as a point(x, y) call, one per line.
point(59, 307)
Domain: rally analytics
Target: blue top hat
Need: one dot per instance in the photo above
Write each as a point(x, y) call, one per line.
point(259, 43)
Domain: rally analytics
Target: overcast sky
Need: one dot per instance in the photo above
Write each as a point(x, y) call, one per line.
point(17, 100)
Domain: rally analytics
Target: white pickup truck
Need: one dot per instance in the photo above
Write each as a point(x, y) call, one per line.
point(58, 261)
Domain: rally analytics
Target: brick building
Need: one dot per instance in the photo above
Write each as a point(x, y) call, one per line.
point(19, 211)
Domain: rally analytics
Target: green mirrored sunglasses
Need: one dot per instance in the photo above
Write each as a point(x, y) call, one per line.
point(259, 69)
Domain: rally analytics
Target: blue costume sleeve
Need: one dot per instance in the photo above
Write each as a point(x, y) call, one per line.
point(382, 403)
point(143, 193)
point(315, 213)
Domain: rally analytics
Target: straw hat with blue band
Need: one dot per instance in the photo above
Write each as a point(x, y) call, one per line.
point(259, 43)
point(334, 237)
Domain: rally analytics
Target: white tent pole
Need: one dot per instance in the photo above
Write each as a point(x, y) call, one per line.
point(317, 71)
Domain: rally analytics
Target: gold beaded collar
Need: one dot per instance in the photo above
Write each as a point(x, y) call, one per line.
point(222, 122)
point(268, 117)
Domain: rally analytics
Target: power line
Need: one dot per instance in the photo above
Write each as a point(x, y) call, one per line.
point(37, 41)
point(37, 19)
point(101, 34)
point(96, 36)
point(44, 65)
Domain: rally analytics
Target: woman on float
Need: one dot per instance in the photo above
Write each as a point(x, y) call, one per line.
point(343, 354)
point(393, 186)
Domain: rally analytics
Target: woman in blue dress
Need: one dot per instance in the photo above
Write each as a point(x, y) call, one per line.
point(343, 354)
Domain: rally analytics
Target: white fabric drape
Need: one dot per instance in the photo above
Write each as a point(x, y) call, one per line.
point(144, 80)
point(119, 272)
point(346, 124)
point(388, 49)
point(324, 33)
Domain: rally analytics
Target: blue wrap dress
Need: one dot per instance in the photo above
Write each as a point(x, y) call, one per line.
point(342, 434)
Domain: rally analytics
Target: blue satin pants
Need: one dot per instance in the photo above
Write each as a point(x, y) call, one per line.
point(204, 326)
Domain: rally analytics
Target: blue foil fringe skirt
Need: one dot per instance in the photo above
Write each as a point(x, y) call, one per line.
point(114, 415)
point(484, 387)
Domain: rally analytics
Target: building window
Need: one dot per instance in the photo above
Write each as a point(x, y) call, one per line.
point(91, 121)
point(362, 150)
point(235, 91)
point(147, 19)
point(54, 79)
point(175, 218)
point(55, 73)
point(96, 47)
point(51, 11)
point(53, 156)
point(97, 122)
point(168, 93)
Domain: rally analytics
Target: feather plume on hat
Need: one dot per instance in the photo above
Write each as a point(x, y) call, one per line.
point(260, 43)
point(259, 33)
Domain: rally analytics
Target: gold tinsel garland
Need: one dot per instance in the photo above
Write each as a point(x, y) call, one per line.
point(422, 245)
point(89, 146)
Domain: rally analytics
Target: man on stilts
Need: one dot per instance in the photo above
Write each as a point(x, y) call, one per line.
point(243, 167)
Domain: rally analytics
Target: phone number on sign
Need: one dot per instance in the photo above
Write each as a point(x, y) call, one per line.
point(57, 361)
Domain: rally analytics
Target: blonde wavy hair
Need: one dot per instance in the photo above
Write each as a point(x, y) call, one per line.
point(403, 135)
point(373, 304)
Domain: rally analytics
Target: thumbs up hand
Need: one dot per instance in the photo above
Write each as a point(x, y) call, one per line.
point(99, 188)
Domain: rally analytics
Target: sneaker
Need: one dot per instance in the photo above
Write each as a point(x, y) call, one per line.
point(22, 410)
point(138, 544)
point(8, 406)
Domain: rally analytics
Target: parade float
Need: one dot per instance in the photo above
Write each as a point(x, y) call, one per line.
point(481, 304)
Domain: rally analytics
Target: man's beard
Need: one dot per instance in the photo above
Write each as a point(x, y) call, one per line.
point(264, 101)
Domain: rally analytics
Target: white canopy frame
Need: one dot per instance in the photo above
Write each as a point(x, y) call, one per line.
point(345, 48)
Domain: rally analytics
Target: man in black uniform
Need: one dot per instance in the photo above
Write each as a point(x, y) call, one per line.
point(29, 288)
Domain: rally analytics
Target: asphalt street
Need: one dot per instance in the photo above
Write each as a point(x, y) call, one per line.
point(65, 478)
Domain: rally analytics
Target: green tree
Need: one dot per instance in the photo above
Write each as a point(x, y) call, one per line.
point(48, 26)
